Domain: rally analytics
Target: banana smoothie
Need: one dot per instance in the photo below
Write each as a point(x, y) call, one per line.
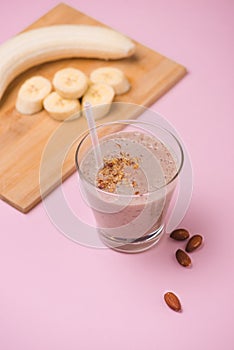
point(130, 193)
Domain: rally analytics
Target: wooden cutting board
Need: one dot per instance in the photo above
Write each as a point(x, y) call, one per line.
point(24, 138)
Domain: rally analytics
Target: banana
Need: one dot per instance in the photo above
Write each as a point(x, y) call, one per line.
point(60, 108)
point(31, 95)
point(100, 97)
point(111, 76)
point(45, 44)
point(70, 83)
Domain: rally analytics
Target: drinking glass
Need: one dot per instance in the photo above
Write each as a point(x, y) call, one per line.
point(126, 220)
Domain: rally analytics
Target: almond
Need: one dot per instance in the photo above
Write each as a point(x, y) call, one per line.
point(180, 234)
point(183, 258)
point(194, 242)
point(172, 301)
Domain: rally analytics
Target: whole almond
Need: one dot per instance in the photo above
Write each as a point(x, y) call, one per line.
point(194, 242)
point(172, 301)
point(183, 258)
point(179, 234)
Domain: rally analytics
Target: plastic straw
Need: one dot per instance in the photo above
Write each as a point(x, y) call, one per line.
point(93, 134)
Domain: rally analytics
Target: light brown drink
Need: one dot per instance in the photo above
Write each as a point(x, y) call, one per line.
point(130, 194)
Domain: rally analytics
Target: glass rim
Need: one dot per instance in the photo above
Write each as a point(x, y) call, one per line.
point(130, 121)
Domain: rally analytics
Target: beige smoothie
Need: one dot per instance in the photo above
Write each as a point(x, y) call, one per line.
point(131, 191)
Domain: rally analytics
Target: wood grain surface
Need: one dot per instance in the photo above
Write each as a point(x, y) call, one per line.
point(23, 139)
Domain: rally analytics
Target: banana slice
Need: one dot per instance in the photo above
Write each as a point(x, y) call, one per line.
point(100, 97)
point(70, 83)
point(60, 108)
point(31, 95)
point(111, 76)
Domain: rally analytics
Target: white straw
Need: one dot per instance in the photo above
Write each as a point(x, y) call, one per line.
point(93, 134)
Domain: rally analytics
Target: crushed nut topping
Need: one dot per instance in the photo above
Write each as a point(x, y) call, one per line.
point(113, 173)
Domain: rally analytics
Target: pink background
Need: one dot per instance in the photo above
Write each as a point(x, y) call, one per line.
point(55, 294)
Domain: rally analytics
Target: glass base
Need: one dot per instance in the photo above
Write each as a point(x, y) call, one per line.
point(135, 246)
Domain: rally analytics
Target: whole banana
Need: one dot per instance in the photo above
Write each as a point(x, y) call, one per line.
point(45, 44)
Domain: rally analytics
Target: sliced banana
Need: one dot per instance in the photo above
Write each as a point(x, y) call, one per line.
point(55, 42)
point(111, 76)
point(100, 97)
point(31, 95)
point(70, 83)
point(60, 108)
